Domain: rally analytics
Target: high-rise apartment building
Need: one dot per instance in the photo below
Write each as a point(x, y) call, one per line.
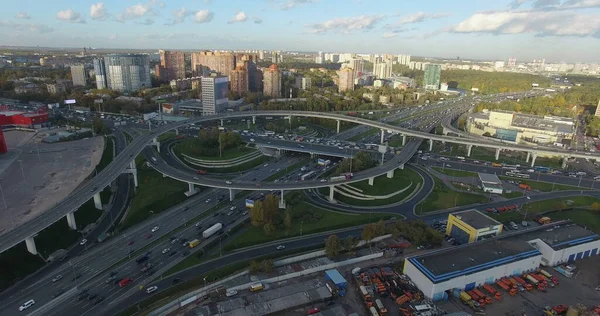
point(276, 58)
point(357, 65)
point(261, 54)
point(171, 67)
point(383, 69)
point(303, 83)
point(203, 63)
point(512, 63)
point(431, 79)
point(346, 80)
point(320, 58)
point(215, 92)
point(127, 72)
point(404, 59)
point(272, 81)
point(100, 70)
point(239, 80)
point(78, 75)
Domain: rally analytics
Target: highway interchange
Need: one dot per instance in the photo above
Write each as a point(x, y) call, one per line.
point(117, 248)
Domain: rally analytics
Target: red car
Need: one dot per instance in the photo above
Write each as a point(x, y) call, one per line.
point(313, 311)
point(125, 281)
point(130, 243)
point(148, 236)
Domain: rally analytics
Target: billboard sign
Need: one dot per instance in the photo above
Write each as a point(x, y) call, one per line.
point(321, 162)
point(249, 203)
point(70, 102)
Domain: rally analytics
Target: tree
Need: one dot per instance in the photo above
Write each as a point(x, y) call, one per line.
point(253, 266)
point(271, 208)
point(333, 246)
point(379, 228)
point(595, 207)
point(349, 243)
point(99, 126)
point(269, 228)
point(369, 232)
point(266, 265)
point(257, 214)
point(287, 221)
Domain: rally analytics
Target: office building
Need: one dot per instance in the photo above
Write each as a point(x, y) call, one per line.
point(431, 79)
point(469, 266)
point(56, 88)
point(357, 66)
point(512, 63)
point(303, 83)
point(186, 84)
point(215, 92)
point(382, 70)
point(78, 75)
point(171, 67)
point(239, 80)
point(320, 58)
point(100, 71)
point(346, 80)
point(276, 58)
point(128, 72)
point(272, 81)
point(203, 63)
point(404, 59)
point(261, 54)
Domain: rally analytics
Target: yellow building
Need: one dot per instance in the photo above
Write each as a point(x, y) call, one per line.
point(471, 225)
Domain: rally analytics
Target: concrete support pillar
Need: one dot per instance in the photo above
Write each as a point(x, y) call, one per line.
point(382, 136)
point(222, 124)
point(71, 220)
point(533, 157)
point(135, 178)
point(331, 191)
point(390, 174)
point(290, 119)
point(497, 153)
point(97, 201)
point(403, 140)
point(431, 145)
point(371, 181)
point(248, 123)
point(401, 166)
point(338, 126)
point(282, 201)
point(30, 243)
point(191, 190)
point(231, 195)
point(133, 171)
point(528, 156)
point(156, 143)
point(254, 120)
point(564, 162)
point(177, 131)
point(469, 147)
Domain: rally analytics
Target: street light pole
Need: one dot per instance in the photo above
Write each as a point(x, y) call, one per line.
point(22, 171)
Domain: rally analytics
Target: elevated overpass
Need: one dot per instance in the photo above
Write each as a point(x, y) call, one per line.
point(125, 163)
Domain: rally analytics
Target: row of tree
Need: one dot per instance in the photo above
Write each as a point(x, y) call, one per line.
point(361, 161)
point(210, 143)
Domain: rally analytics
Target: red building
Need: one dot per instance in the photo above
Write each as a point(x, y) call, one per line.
point(15, 118)
point(3, 148)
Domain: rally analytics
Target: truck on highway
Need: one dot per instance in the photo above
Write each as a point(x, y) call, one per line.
point(194, 243)
point(525, 186)
point(212, 230)
point(306, 176)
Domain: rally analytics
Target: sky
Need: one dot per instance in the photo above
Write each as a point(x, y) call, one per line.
point(557, 30)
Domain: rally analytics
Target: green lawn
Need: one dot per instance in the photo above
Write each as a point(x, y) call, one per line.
point(455, 173)
point(442, 198)
point(166, 136)
point(513, 194)
point(183, 148)
point(554, 204)
point(382, 186)
point(543, 186)
point(306, 218)
point(155, 193)
point(582, 217)
point(371, 131)
point(242, 167)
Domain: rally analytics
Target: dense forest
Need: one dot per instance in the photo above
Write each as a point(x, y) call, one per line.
point(491, 82)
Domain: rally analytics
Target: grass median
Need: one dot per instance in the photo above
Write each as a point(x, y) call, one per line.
point(543, 186)
point(185, 147)
point(443, 197)
point(382, 185)
point(306, 219)
point(586, 218)
point(455, 173)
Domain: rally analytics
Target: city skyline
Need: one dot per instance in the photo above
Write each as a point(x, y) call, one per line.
point(523, 29)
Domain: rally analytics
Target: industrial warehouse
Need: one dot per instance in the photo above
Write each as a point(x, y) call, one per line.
point(470, 226)
point(466, 267)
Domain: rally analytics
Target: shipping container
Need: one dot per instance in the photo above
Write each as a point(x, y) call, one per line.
point(212, 230)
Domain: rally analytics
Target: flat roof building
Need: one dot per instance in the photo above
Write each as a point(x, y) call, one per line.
point(471, 225)
point(465, 267)
point(490, 183)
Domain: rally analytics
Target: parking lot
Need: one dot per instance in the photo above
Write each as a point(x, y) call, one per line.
point(583, 288)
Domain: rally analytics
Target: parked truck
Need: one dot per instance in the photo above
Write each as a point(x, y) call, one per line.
point(490, 289)
point(525, 186)
point(212, 230)
point(531, 279)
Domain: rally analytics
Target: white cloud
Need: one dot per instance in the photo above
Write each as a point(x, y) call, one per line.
point(557, 4)
point(292, 3)
point(539, 23)
point(345, 25)
point(137, 11)
point(203, 16)
point(576, 4)
point(97, 11)
point(390, 34)
point(23, 15)
point(517, 3)
point(70, 16)
point(179, 16)
point(420, 17)
point(33, 28)
point(240, 17)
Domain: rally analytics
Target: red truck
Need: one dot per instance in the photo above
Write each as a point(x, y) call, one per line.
point(525, 186)
point(125, 281)
point(201, 172)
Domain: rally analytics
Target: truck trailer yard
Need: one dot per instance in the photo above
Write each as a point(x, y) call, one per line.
point(582, 288)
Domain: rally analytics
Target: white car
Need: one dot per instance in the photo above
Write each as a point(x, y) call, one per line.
point(156, 228)
point(232, 208)
point(166, 250)
point(323, 180)
point(26, 305)
point(228, 182)
point(57, 278)
point(207, 200)
point(151, 289)
point(83, 242)
point(280, 247)
point(231, 293)
point(229, 213)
